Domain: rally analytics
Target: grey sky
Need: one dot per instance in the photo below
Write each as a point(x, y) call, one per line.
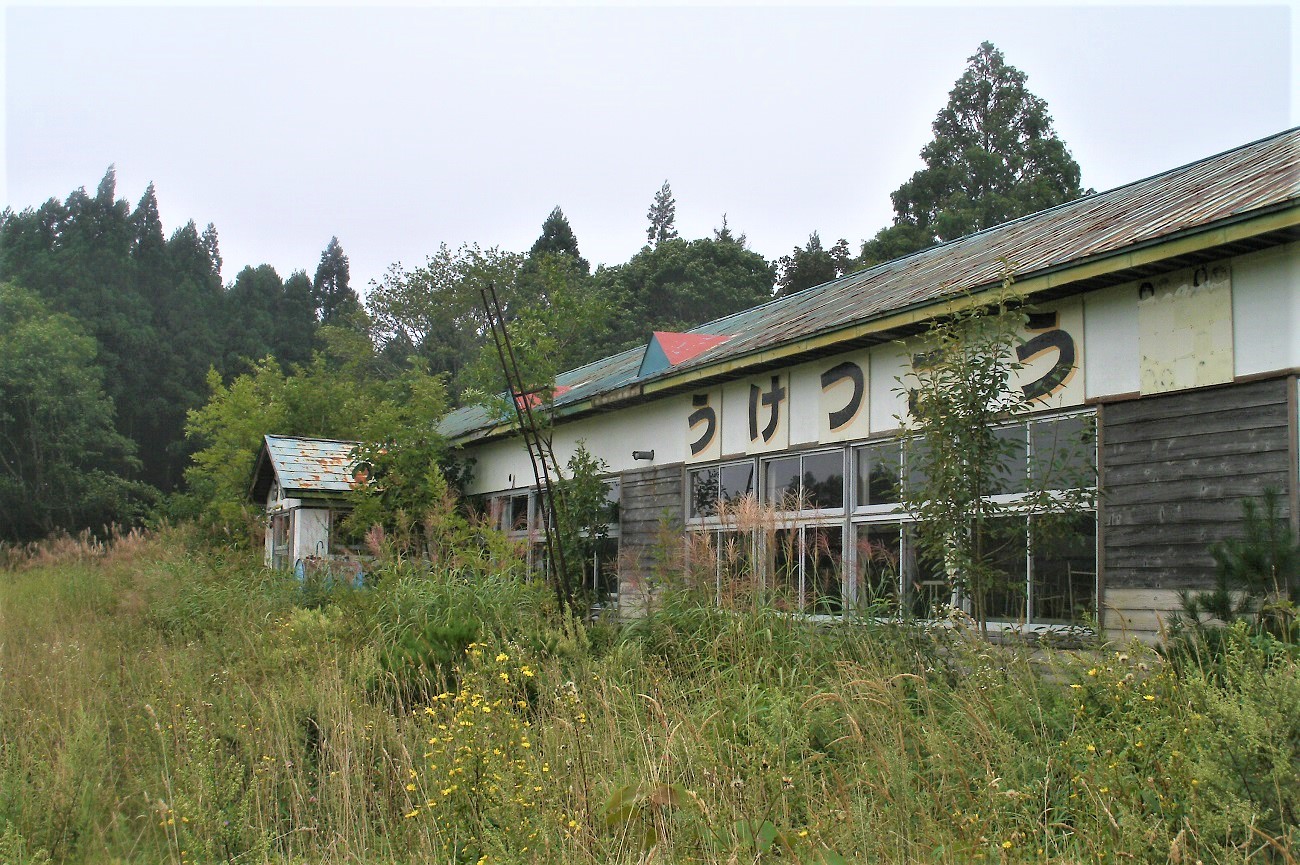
point(397, 129)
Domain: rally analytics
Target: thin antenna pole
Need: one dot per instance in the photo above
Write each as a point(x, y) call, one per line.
point(540, 451)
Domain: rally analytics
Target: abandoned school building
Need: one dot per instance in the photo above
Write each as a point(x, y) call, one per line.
point(1166, 321)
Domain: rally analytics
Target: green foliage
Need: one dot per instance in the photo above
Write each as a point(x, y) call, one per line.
point(61, 461)
point(813, 265)
point(582, 519)
point(336, 301)
point(14, 849)
point(1257, 581)
point(347, 392)
point(678, 284)
point(959, 390)
point(557, 319)
point(435, 311)
point(703, 736)
point(994, 157)
point(662, 216)
point(155, 307)
point(557, 238)
point(424, 662)
point(408, 463)
point(268, 317)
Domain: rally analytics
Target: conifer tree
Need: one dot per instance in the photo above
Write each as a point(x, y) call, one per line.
point(334, 298)
point(662, 216)
point(148, 242)
point(212, 248)
point(295, 321)
point(994, 157)
point(558, 238)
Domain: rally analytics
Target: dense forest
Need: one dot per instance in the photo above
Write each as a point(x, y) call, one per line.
point(135, 379)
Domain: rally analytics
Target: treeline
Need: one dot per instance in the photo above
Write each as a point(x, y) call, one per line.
point(113, 335)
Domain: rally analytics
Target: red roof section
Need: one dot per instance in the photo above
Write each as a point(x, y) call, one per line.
point(534, 399)
point(680, 347)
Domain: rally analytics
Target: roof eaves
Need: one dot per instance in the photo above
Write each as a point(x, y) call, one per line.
point(1281, 216)
point(1271, 221)
point(1284, 215)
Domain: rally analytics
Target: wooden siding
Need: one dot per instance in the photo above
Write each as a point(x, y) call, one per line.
point(651, 509)
point(1175, 470)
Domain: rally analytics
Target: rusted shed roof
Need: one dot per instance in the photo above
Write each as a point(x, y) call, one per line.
point(304, 467)
point(1252, 180)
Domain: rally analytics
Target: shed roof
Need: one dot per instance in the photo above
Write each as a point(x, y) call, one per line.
point(304, 467)
point(1051, 248)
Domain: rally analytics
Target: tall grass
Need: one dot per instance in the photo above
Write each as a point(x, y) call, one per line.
point(161, 702)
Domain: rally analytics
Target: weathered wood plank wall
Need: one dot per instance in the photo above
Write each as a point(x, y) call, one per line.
point(652, 512)
point(1176, 468)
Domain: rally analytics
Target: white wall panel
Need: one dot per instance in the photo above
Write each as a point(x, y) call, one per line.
point(311, 532)
point(805, 402)
point(735, 418)
point(888, 363)
point(1110, 334)
point(1266, 310)
point(660, 426)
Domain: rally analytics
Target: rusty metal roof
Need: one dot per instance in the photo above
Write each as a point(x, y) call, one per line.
point(1251, 180)
point(304, 467)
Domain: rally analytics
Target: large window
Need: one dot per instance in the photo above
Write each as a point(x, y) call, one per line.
point(722, 538)
point(805, 482)
point(806, 563)
point(522, 515)
point(1046, 565)
point(718, 486)
point(805, 554)
point(834, 534)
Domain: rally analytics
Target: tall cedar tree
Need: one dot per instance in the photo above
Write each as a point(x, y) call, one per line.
point(335, 299)
point(812, 265)
point(662, 216)
point(994, 157)
point(558, 238)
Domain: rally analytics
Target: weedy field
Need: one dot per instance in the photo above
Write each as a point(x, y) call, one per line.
point(164, 701)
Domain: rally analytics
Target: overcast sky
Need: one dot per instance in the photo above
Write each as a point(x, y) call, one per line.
point(401, 128)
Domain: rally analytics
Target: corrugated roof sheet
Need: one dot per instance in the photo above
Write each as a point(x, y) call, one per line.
point(1258, 176)
point(307, 465)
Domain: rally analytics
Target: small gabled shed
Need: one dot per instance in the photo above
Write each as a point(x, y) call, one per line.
point(303, 484)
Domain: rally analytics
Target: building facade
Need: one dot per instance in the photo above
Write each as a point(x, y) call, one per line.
point(1161, 355)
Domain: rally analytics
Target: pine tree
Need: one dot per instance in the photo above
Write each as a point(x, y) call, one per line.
point(558, 238)
point(994, 157)
point(334, 298)
point(148, 243)
point(662, 216)
point(212, 248)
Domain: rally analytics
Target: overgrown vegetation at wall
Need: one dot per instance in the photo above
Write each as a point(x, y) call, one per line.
point(163, 702)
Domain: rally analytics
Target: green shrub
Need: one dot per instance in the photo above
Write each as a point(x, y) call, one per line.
point(424, 662)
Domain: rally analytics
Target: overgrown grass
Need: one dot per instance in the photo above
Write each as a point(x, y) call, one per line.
point(160, 702)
